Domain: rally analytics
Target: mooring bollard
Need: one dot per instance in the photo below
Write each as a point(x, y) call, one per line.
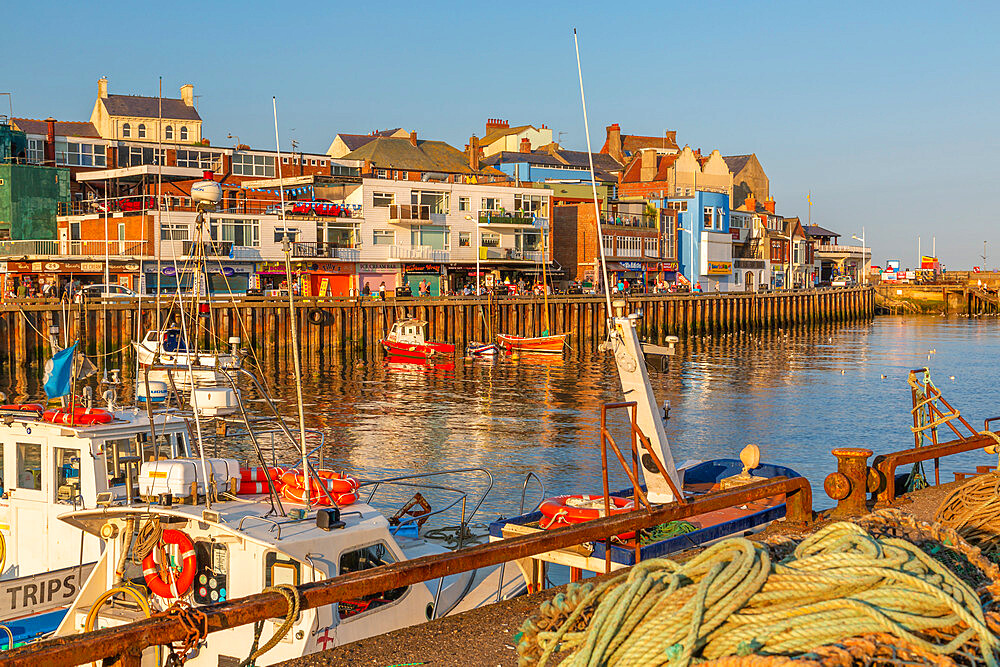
point(849, 485)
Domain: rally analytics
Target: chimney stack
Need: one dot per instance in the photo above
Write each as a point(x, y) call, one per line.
point(647, 166)
point(413, 139)
point(102, 87)
point(769, 205)
point(495, 124)
point(366, 168)
point(474, 153)
point(750, 203)
point(50, 141)
point(615, 141)
point(187, 94)
point(525, 145)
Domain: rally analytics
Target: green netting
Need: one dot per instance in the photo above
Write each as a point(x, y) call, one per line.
point(29, 198)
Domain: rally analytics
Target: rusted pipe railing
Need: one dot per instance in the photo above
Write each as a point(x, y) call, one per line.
point(886, 464)
point(123, 643)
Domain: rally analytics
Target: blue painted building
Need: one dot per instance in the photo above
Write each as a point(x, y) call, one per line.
point(704, 244)
point(554, 164)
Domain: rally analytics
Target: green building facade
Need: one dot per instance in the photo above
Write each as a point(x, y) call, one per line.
point(30, 194)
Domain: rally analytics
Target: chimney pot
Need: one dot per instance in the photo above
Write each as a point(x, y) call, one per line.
point(525, 145)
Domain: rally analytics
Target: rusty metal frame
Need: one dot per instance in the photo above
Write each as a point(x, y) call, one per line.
point(121, 645)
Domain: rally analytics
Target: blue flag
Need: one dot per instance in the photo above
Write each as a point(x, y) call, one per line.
point(58, 373)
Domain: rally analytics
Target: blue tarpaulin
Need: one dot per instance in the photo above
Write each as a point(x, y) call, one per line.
point(58, 373)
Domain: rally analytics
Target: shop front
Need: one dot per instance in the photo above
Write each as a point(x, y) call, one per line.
point(431, 274)
point(750, 275)
point(53, 278)
point(375, 274)
point(460, 277)
point(309, 278)
point(221, 277)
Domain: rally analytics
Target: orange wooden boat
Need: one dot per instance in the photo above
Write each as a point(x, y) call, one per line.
point(550, 344)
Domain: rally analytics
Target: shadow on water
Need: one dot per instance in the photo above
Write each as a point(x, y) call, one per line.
point(796, 393)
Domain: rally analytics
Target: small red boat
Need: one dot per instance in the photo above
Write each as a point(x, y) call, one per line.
point(550, 344)
point(408, 338)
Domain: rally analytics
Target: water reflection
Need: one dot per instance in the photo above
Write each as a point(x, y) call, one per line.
point(796, 393)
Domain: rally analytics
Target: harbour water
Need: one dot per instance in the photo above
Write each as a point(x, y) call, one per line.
point(797, 394)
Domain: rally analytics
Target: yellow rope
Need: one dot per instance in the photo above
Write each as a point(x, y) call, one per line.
point(731, 599)
point(130, 591)
point(291, 595)
point(973, 510)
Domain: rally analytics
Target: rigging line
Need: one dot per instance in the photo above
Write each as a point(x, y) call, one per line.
point(593, 184)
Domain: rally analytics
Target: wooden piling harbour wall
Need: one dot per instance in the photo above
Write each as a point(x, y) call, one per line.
point(327, 325)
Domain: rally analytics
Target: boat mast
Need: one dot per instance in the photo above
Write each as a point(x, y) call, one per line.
point(286, 245)
point(545, 287)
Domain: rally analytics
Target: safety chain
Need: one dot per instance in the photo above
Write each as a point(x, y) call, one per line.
point(195, 624)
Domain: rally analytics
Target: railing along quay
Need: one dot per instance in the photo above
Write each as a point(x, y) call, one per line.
point(336, 324)
point(122, 646)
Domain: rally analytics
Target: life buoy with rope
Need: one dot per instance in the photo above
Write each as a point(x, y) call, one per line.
point(567, 510)
point(156, 577)
point(316, 316)
point(332, 480)
point(296, 494)
point(79, 416)
point(259, 474)
point(24, 407)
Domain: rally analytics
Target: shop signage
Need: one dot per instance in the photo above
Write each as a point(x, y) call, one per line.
point(51, 266)
point(718, 268)
point(374, 268)
point(91, 267)
point(632, 266)
point(748, 263)
point(735, 234)
point(41, 592)
point(668, 266)
point(422, 268)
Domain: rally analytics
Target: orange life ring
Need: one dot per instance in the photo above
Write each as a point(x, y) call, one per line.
point(259, 474)
point(333, 481)
point(296, 494)
point(78, 416)
point(566, 510)
point(250, 488)
point(180, 583)
point(25, 407)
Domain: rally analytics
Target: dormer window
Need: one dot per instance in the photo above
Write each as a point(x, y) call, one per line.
point(184, 133)
point(142, 131)
point(168, 132)
point(126, 130)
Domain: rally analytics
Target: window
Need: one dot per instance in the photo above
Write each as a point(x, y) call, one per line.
point(678, 205)
point(720, 219)
point(114, 450)
point(173, 231)
point(244, 232)
point(381, 173)
point(383, 199)
point(133, 156)
point(708, 214)
point(432, 236)
point(168, 132)
point(29, 466)
point(245, 164)
point(199, 159)
point(464, 204)
point(312, 163)
point(279, 234)
point(341, 170)
point(383, 237)
point(536, 205)
point(437, 201)
point(608, 241)
point(651, 247)
point(284, 160)
point(36, 151)
point(184, 133)
point(67, 474)
point(490, 240)
point(80, 155)
point(360, 560)
point(491, 204)
point(126, 130)
point(142, 131)
point(464, 239)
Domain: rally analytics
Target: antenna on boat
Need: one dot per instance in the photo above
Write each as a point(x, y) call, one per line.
point(593, 186)
point(286, 245)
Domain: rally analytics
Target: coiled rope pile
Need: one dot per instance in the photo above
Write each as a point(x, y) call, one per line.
point(973, 510)
point(734, 599)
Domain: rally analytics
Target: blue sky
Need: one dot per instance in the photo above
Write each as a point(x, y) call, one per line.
point(886, 111)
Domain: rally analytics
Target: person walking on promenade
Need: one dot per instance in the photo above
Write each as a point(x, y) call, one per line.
point(366, 291)
point(381, 291)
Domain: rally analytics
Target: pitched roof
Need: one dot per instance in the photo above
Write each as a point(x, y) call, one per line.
point(604, 165)
point(399, 153)
point(63, 128)
point(736, 163)
point(631, 143)
point(148, 107)
point(816, 230)
point(502, 132)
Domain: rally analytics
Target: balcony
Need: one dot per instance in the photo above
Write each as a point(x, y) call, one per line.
point(844, 249)
point(327, 250)
point(208, 248)
point(487, 253)
point(52, 247)
point(420, 252)
point(505, 219)
point(408, 214)
point(640, 221)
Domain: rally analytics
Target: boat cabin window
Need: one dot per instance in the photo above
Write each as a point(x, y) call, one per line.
point(29, 466)
point(280, 569)
point(173, 342)
point(365, 559)
point(67, 474)
point(211, 583)
point(114, 452)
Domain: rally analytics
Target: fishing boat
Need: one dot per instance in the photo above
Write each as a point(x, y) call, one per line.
point(546, 344)
point(57, 461)
point(168, 347)
point(408, 338)
point(477, 349)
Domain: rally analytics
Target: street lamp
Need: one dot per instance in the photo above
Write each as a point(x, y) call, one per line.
point(236, 137)
point(864, 263)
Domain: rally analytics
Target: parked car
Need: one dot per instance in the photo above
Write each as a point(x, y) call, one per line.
point(98, 292)
point(843, 281)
